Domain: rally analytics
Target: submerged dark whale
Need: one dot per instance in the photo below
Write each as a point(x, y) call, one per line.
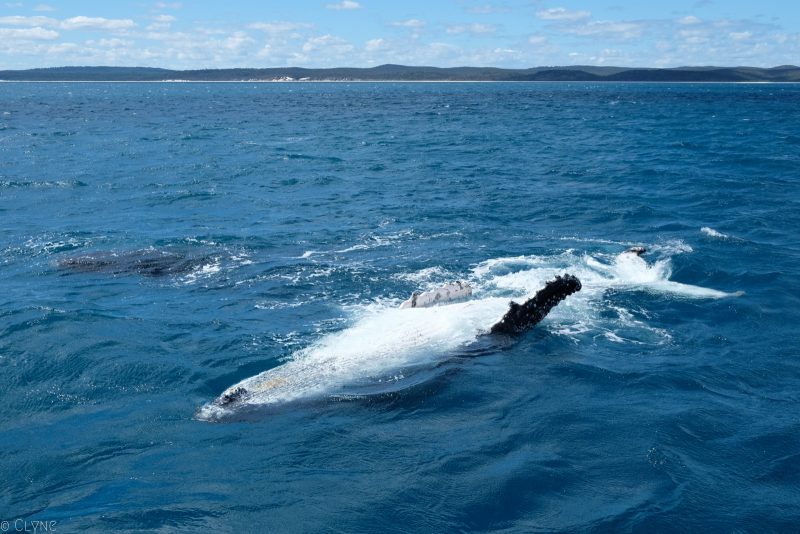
point(319, 370)
point(147, 262)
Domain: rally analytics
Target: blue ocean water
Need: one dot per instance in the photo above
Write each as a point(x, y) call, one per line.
point(162, 242)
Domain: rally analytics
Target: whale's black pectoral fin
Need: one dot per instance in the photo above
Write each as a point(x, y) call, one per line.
point(522, 317)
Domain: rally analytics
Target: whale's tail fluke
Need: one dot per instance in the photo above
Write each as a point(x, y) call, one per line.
point(522, 317)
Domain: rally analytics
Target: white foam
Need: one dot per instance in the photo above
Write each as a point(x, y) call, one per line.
point(204, 271)
point(427, 276)
point(710, 232)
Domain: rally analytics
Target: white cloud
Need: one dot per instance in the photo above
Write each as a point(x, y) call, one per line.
point(487, 9)
point(28, 21)
point(374, 45)
point(608, 28)
point(27, 34)
point(167, 5)
point(96, 23)
point(689, 20)
point(237, 41)
point(161, 22)
point(410, 23)
point(537, 40)
point(61, 48)
point(475, 29)
point(694, 37)
point(740, 36)
point(44, 8)
point(559, 13)
point(110, 43)
point(279, 26)
point(328, 43)
point(610, 56)
point(344, 4)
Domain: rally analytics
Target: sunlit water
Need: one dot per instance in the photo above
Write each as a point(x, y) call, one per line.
point(663, 396)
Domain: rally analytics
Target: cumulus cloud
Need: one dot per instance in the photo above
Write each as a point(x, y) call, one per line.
point(328, 43)
point(28, 21)
point(110, 43)
point(475, 29)
point(487, 9)
point(740, 36)
point(562, 14)
point(344, 4)
point(689, 20)
point(27, 34)
point(96, 23)
point(161, 22)
point(410, 23)
point(279, 26)
point(609, 29)
point(373, 45)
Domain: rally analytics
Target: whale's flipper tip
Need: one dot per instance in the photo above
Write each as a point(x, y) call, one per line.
point(637, 250)
point(569, 283)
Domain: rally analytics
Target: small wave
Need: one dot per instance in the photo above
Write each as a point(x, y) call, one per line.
point(597, 240)
point(276, 305)
point(672, 247)
point(54, 184)
point(710, 232)
point(53, 244)
point(202, 272)
point(429, 275)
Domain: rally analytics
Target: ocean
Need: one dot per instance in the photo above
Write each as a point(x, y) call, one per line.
point(161, 242)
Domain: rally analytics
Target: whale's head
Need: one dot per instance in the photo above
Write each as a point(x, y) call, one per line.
point(231, 396)
point(221, 408)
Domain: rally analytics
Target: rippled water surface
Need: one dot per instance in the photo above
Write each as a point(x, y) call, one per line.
point(162, 242)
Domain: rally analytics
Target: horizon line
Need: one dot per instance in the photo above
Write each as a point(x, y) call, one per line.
point(688, 66)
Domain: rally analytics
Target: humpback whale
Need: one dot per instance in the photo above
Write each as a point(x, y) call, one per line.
point(147, 262)
point(317, 371)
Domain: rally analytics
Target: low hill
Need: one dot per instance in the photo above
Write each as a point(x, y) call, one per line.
point(783, 73)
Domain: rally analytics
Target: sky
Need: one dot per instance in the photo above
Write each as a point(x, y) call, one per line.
point(190, 34)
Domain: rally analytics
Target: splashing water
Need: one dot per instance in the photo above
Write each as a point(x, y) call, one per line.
point(384, 339)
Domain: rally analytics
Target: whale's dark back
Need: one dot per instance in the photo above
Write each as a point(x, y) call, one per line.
point(143, 262)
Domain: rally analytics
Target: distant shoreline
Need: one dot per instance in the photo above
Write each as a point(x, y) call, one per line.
point(298, 82)
point(401, 73)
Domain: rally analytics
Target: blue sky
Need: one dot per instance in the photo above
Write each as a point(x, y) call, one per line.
point(364, 33)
